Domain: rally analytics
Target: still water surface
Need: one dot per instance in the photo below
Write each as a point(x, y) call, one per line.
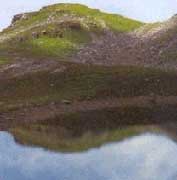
point(144, 157)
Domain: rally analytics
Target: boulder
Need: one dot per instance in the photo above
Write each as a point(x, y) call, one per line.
point(44, 32)
point(65, 101)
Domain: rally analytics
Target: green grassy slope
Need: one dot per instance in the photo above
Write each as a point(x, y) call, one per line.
point(60, 30)
point(89, 16)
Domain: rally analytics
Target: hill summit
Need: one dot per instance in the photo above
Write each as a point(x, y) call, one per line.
point(61, 29)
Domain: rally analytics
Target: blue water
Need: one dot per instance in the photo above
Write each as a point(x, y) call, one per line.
point(144, 157)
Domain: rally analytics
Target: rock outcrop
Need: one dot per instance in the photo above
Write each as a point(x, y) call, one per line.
point(19, 17)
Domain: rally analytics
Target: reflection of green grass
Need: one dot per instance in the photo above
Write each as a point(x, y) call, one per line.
point(48, 138)
point(80, 131)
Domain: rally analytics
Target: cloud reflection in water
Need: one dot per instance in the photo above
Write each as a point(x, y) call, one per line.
point(144, 157)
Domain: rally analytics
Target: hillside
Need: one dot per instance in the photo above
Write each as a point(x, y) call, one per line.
point(59, 30)
point(75, 70)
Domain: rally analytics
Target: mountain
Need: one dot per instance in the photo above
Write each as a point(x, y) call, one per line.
point(72, 70)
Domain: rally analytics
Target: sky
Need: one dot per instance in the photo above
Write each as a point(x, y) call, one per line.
point(143, 10)
point(144, 157)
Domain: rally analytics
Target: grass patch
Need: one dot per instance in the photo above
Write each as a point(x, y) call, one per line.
point(115, 22)
point(3, 60)
point(51, 46)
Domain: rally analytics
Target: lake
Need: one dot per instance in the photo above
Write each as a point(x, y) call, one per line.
point(147, 156)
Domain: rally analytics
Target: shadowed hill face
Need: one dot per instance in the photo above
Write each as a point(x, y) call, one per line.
point(160, 41)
